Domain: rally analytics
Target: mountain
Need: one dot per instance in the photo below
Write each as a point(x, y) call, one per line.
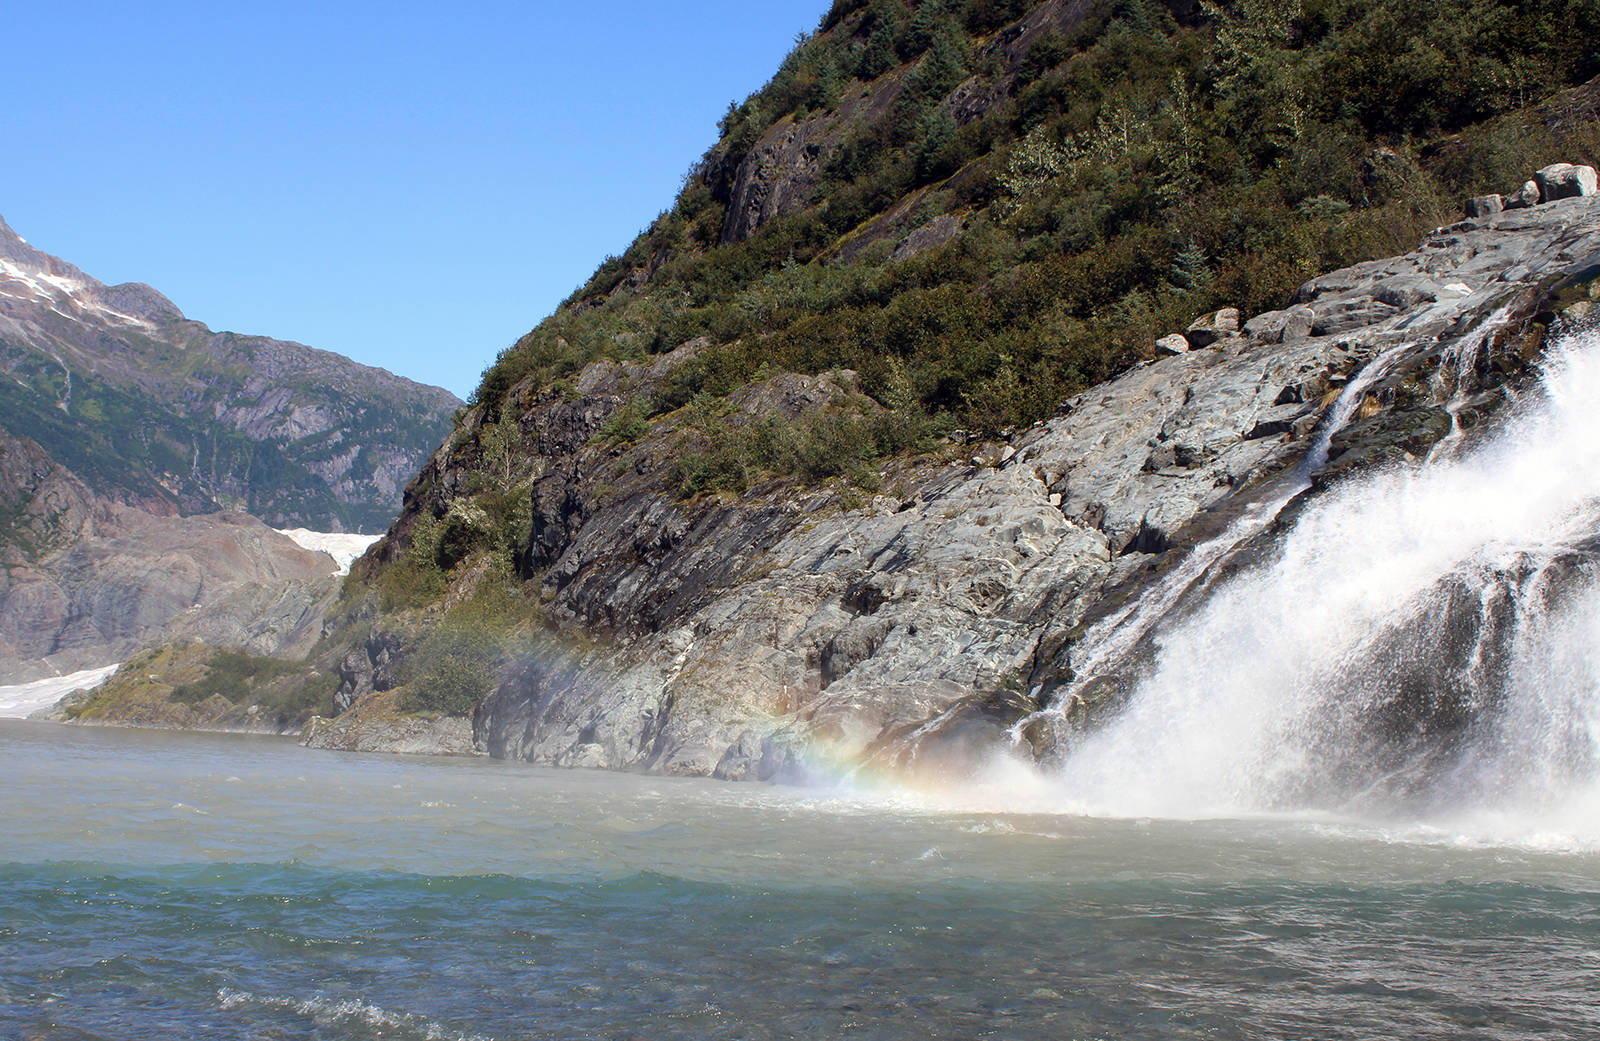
point(143, 458)
point(152, 409)
point(85, 581)
point(975, 324)
point(798, 629)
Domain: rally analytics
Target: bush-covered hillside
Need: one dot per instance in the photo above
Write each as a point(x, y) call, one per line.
point(983, 206)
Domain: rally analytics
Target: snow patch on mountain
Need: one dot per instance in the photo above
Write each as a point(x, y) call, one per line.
point(20, 700)
point(343, 547)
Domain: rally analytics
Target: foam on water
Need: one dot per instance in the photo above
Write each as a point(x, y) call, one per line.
point(347, 1012)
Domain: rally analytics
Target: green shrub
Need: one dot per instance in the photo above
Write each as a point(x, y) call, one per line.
point(283, 689)
point(450, 670)
point(628, 423)
point(1142, 173)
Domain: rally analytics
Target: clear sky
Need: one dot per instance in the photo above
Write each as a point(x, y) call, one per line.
point(413, 185)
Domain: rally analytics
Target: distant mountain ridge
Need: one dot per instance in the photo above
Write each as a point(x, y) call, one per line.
point(153, 409)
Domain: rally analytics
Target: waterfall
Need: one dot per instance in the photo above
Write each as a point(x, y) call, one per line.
point(1423, 641)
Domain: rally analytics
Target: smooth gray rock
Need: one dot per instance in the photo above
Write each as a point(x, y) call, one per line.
point(1524, 197)
point(1208, 329)
point(1277, 326)
point(1565, 181)
point(1168, 346)
point(1484, 206)
point(789, 630)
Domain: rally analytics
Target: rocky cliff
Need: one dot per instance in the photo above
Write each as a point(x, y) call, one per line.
point(974, 321)
point(794, 628)
point(152, 409)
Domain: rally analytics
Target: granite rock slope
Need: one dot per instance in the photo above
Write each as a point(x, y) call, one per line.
point(790, 630)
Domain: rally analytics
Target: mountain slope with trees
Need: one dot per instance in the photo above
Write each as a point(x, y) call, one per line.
point(155, 410)
point(820, 453)
point(983, 208)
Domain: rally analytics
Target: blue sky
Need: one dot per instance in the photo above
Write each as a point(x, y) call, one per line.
point(412, 185)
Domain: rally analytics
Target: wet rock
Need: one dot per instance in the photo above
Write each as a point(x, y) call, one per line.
point(791, 628)
point(1276, 421)
point(1398, 435)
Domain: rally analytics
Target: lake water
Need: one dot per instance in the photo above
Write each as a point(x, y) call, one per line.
point(157, 885)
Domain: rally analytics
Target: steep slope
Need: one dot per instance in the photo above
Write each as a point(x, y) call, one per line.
point(984, 208)
point(790, 629)
point(152, 409)
point(835, 459)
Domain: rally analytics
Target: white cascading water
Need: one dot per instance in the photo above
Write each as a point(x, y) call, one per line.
point(1424, 642)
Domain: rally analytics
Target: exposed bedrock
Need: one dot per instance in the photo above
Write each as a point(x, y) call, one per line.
point(788, 631)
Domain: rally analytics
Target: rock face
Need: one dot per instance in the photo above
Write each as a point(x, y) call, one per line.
point(1484, 206)
point(87, 581)
point(780, 173)
point(42, 506)
point(151, 409)
point(378, 727)
point(790, 630)
point(225, 579)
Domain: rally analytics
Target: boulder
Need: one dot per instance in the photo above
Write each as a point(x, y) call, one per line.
point(1210, 328)
point(1279, 326)
point(1484, 206)
point(1582, 315)
point(1167, 346)
point(1522, 198)
point(1406, 292)
point(1565, 181)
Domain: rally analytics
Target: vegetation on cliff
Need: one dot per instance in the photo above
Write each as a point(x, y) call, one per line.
point(938, 217)
point(985, 207)
point(194, 686)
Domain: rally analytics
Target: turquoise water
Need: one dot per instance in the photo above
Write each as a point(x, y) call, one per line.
point(168, 885)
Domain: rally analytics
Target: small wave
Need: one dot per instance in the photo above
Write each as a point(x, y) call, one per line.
point(993, 827)
point(333, 1012)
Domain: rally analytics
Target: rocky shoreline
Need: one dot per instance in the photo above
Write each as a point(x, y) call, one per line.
point(790, 631)
point(797, 632)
